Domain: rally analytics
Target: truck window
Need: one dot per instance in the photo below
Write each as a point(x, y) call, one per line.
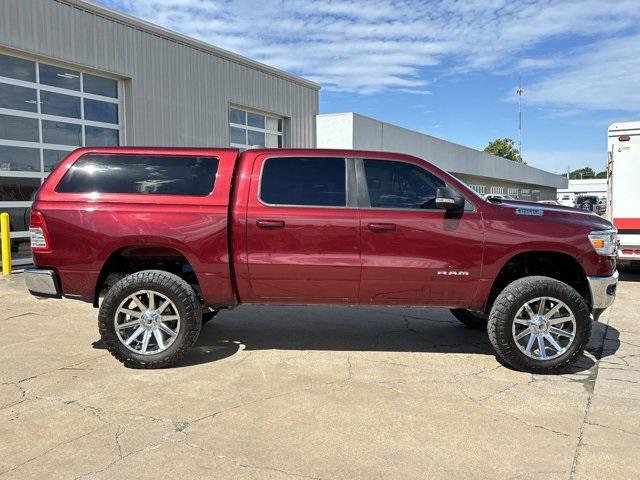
point(394, 184)
point(140, 174)
point(301, 181)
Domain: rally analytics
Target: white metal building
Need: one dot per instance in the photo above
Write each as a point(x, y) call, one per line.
point(593, 186)
point(484, 172)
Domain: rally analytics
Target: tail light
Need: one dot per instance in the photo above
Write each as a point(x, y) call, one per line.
point(38, 232)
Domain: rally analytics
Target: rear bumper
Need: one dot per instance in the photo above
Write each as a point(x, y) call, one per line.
point(603, 290)
point(42, 283)
point(629, 248)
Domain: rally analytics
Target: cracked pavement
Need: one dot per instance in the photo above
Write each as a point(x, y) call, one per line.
point(312, 393)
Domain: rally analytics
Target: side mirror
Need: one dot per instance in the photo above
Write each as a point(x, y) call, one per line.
point(447, 199)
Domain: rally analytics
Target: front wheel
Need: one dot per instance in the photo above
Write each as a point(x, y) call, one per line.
point(150, 319)
point(539, 324)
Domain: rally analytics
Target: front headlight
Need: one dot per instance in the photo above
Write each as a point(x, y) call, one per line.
point(605, 242)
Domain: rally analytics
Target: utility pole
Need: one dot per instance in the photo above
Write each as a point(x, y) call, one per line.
point(519, 92)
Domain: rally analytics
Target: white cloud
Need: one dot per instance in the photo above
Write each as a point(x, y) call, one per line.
point(604, 77)
point(376, 45)
point(535, 64)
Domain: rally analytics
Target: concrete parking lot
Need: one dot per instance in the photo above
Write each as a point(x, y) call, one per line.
point(317, 393)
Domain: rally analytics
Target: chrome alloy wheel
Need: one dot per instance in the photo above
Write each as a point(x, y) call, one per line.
point(544, 328)
point(147, 322)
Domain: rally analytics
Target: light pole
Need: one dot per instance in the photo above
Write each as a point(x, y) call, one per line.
point(519, 92)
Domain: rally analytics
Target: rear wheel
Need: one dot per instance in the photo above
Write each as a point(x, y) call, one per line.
point(539, 324)
point(470, 318)
point(150, 319)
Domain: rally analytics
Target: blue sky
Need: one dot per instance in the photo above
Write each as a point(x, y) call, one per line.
point(448, 68)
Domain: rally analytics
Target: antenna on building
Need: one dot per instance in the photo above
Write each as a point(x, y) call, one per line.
point(519, 92)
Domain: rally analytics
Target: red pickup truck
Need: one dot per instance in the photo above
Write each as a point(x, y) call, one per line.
point(161, 239)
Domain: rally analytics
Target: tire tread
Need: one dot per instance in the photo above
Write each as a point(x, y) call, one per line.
point(191, 322)
point(499, 321)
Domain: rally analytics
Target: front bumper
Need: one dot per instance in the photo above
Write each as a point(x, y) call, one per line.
point(603, 290)
point(42, 283)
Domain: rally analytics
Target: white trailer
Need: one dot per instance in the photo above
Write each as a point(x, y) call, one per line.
point(623, 187)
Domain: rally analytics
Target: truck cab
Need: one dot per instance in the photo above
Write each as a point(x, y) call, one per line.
point(154, 237)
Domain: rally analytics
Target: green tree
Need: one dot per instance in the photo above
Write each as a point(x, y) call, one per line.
point(601, 174)
point(582, 173)
point(504, 147)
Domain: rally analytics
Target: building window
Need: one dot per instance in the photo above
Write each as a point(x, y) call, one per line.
point(513, 192)
point(46, 111)
point(497, 190)
point(481, 189)
point(254, 129)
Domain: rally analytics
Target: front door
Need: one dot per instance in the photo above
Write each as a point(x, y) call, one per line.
point(412, 252)
point(302, 231)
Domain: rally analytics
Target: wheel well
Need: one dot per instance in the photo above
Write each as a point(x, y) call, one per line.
point(556, 265)
point(128, 260)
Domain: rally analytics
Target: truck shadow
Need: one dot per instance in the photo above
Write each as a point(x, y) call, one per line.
point(358, 329)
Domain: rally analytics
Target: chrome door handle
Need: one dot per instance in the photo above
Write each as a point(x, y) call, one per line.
point(270, 224)
point(382, 227)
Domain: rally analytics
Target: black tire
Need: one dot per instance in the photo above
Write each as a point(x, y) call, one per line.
point(470, 319)
point(506, 307)
point(208, 315)
point(587, 206)
point(174, 288)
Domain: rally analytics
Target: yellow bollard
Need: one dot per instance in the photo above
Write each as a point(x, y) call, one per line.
point(6, 244)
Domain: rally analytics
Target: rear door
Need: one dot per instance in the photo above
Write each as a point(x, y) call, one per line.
point(302, 238)
point(412, 252)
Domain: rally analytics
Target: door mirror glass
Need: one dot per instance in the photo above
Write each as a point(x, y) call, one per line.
point(448, 199)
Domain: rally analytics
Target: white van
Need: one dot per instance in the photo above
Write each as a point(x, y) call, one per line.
point(567, 199)
point(623, 186)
